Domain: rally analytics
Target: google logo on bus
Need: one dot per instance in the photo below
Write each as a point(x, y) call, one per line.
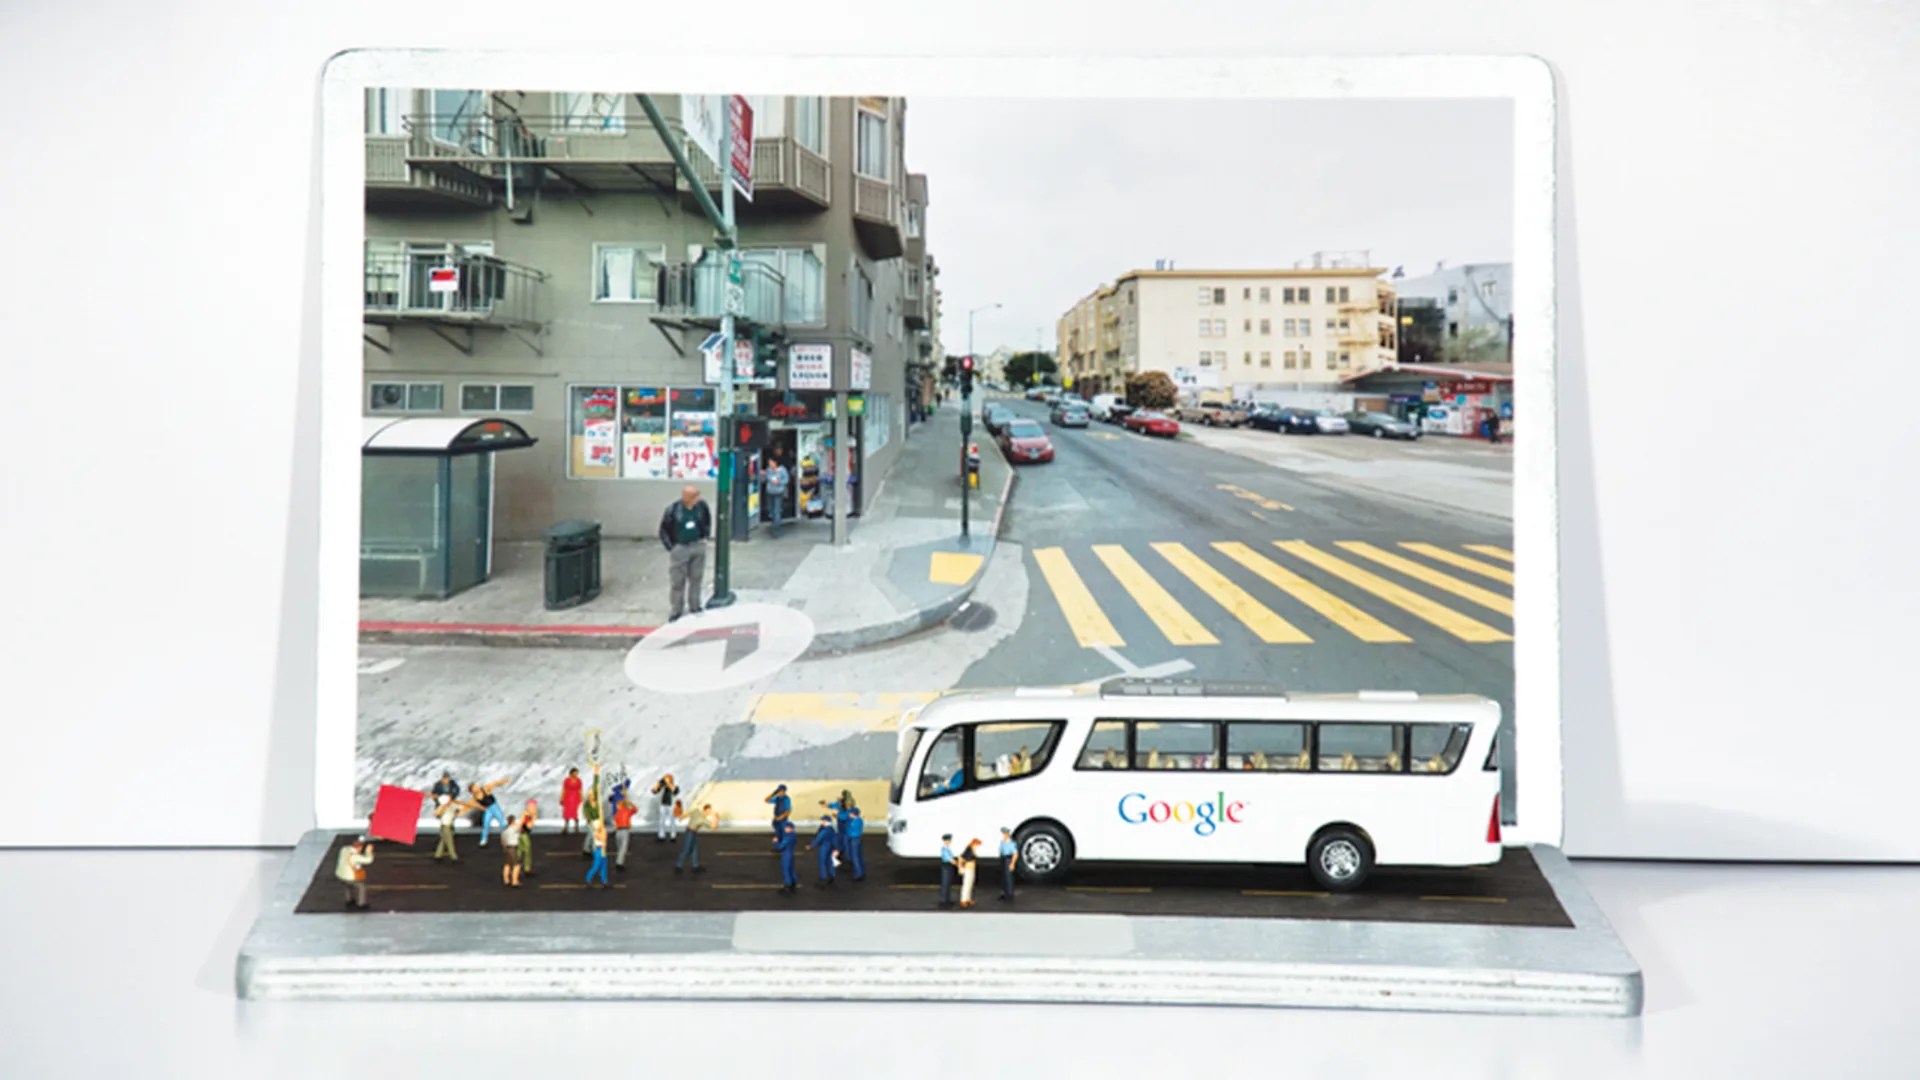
point(1206, 816)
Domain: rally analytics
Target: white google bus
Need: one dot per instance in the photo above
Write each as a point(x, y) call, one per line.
point(1158, 770)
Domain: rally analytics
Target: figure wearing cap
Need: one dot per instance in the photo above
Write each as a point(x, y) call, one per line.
point(851, 841)
point(782, 805)
point(1009, 854)
point(351, 871)
point(946, 870)
point(826, 842)
point(783, 842)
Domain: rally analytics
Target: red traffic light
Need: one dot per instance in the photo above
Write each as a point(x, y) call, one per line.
point(966, 363)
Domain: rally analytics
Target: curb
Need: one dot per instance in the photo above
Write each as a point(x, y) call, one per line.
point(830, 643)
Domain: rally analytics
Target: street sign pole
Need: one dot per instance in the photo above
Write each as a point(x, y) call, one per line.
point(723, 516)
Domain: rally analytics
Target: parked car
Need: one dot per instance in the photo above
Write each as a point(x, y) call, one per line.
point(1024, 440)
point(1328, 422)
point(996, 417)
point(1295, 421)
point(1381, 426)
point(1070, 414)
point(1038, 393)
point(1118, 412)
point(1267, 418)
point(1152, 422)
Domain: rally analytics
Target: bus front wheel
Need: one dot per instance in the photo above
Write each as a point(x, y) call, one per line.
point(1046, 851)
point(1340, 859)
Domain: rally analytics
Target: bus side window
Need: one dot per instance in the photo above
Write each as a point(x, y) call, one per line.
point(1361, 748)
point(1013, 749)
point(1436, 748)
point(942, 773)
point(1106, 746)
point(1174, 744)
point(1266, 746)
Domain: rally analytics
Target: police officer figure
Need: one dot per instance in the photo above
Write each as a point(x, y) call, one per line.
point(782, 806)
point(826, 841)
point(855, 829)
point(783, 841)
point(946, 870)
point(1008, 854)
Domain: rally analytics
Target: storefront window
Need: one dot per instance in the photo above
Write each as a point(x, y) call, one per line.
point(594, 424)
point(643, 433)
point(692, 423)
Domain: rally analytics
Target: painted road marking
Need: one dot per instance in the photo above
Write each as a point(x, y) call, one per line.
point(913, 886)
point(953, 568)
point(1104, 435)
point(873, 711)
point(371, 666)
point(679, 659)
point(1253, 496)
point(1489, 549)
point(1278, 892)
point(1269, 627)
point(1497, 573)
point(1089, 623)
point(1330, 607)
point(773, 886)
point(1444, 582)
point(742, 801)
point(1179, 625)
point(1109, 888)
point(1445, 618)
point(1467, 899)
point(582, 885)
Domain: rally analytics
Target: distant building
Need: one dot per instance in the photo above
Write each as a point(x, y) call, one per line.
point(1474, 296)
point(1267, 332)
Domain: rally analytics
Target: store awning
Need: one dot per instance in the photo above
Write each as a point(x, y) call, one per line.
point(441, 436)
point(1397, 372)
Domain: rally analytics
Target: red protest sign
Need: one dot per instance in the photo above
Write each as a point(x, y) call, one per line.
point(396, 814)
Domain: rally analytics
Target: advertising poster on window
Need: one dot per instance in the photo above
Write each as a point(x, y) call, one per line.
point(860, 375)
point(595, 433)
point(643, 433)
point(693, 425)
point(599, 452)
point(810, 367)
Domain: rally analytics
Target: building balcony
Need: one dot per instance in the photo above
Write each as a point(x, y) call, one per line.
point(392, 183)
point(695, 294)
point(481, 160)
point(787, 178)
point(876, 217)
point(480, 291)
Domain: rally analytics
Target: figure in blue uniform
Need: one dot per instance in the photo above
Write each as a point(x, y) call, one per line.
point(783, 841)
point(851, 838)
point(842, 808)
point(946, 870)
point(1009, 854)
point(827, 842)
point(782, 806)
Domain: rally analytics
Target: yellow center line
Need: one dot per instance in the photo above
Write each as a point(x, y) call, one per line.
point(1497, 573)
point(580, 886)
point(1253, 496)
point(1258, 514)
point(403, 888)
point(1445, 618)
point(1089, 623)
point(1278, 892)
point(1489, 549)
point(913, 886)
point(1269, 627)
point(1180, 627)
point(1444, 582)
point(1330, 607)
point(1109, 888)
point(1467, 899)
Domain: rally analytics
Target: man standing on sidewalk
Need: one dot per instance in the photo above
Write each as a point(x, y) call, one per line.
point(776, 479)
point(684, 531)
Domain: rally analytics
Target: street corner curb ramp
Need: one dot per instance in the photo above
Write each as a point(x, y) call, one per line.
point(594, 636)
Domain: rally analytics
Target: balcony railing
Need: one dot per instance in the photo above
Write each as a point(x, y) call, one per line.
point(873, 199)
point(486, 290)
point(778, 162)
point(699, 291)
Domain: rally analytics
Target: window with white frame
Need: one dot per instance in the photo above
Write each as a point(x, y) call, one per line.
point(1246, 360)
point(1346, 360)
point(1246, 326)
point(1266, 327)
point(1291, 360)
point(913, 220)
point(1220, 296)
point(879, 424)
point(593, 112)
point(1206, 358)
point(1206, 296)
point(458, 118)
point(861, 302)
point(1266, 359)
point(399, 275)
point(496, 397)
point(1306, 327)
point(803, 281)
point(1266, 294)
point(387, 111)
point(1206, 327)
point(769, 115)
point(627, 273)
point(810, 123)
point(417, 397)
point(1333, 360)
point(1219, 328)
point(873, 156)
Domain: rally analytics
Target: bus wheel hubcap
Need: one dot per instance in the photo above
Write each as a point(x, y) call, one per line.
point(1340, 859)
point(1041, 854)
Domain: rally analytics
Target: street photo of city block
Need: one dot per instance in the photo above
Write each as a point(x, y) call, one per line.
point(985, 394)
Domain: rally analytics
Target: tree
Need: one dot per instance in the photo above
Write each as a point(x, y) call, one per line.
point(1480, 345)
point(1021, 367)
point(1151, 390)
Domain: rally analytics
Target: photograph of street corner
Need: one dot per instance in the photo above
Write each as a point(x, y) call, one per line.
point(610, 398)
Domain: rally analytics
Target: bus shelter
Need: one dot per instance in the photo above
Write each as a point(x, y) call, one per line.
point(426, 502)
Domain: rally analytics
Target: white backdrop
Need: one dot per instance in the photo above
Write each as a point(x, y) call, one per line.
point(1736, 183)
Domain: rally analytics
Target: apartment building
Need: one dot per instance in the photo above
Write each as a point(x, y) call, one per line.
point(1472, 297)
point(1266, 332)
point(537, 256)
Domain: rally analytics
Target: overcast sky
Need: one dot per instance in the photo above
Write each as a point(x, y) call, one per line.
point(1035, 203)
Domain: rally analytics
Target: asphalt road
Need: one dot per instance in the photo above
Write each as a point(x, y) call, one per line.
point(1167, 556)
point(743, 875)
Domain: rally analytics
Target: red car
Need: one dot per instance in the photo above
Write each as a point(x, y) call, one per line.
point(1024, 440)
point(1152, 423)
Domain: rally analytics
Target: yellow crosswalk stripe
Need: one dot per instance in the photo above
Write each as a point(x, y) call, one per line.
point(1089, 623)
point(1489, 549)
point(1269, 627)
point(1475, 565)
point(1444, 582)
point(1179, 625)
point(1445, 618)
point(1328, 606)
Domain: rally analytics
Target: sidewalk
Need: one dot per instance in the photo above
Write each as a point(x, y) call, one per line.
point(903, 570)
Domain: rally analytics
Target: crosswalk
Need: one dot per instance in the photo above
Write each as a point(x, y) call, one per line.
point(1288, 592)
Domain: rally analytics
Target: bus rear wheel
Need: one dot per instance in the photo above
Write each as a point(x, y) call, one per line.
point(1046, 852)
point(1340, 859)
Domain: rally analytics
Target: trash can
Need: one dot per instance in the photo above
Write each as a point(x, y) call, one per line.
point(573, 564)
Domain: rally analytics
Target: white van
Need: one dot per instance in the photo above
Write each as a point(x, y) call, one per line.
point(1101, 407)
point(1164, 770)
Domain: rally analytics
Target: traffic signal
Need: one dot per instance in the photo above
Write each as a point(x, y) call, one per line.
point(766, 354)
point(966, 376)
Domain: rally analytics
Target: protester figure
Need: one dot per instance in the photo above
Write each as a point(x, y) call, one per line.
point(704, 821)
point(570, 803)
point(623, 813)
point(492, 814)
point(599, 853)
point(449, 812)
point(841, 808)
point(782, 805)
point(594, 810)
point(664, 829)
point(527, 819)
point(510, 850)
point(685, 527)
point(351, 870)
point(444, 786)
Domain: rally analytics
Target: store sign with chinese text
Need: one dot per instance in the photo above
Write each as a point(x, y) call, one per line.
point(810, 367)
point(860, 371)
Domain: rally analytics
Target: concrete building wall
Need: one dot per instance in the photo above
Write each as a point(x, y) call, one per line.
point(1474, 296)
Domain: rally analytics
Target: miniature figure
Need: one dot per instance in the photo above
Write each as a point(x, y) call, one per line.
point(599, 853)
point(570, 802)
point(946, 870)
point(352, 871)
point(526, 839)
point(783, 841)
point(827, 840)
point(592, 809)
point(1009, 854)
point(782, 806)
point(623, 812)
point(855, 829)
point(510, 865)
point(492, 814)
point(704, 821)
point(969, 863)
point(664, 829)
point(448, 812)
point(445, 786)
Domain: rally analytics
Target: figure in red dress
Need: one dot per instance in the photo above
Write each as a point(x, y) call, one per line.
point(570, 799)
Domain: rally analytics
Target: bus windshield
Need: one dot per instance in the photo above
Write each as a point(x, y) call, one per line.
point(909, 742)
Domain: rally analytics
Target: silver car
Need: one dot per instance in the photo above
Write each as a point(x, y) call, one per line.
point(1328, 422)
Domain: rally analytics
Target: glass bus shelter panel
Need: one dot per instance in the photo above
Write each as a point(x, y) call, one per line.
point(468, 520)
point(403, 541)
